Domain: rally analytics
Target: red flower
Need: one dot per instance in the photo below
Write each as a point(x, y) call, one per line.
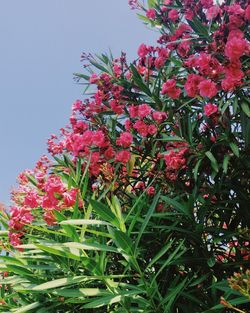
point(143, 50)
point(207, 88)
point(19, 217)
point(213, 12)
point(247, 13)
point(150, 191)
point(141, 127)
point(173, 15)
point(210, 109)
point(69, 197)
point(144, 110)
point(124, 140)
point(31, 199)
point(151, 14)
point(15, 238)
point(175, 160)
point(123, 156)
point(169, 88)
point(191, 85)
point(235, 48)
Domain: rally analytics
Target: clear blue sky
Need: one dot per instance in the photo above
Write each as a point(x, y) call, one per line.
point(41, 44)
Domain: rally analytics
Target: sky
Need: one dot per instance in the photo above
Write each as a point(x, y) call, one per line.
point(41, 45)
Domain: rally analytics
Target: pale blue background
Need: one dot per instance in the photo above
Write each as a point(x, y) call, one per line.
point(41, 44)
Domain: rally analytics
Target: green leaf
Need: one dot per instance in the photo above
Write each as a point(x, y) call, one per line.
point(178, 206)
point(199, 28)
point(108, 300)
point(90, 246)
point(28, 307)
point(235, 149)
point(59, 283)
point(161, 253)
point(246, 109)
point(60, 251)
point(83, 222)
point(196, 169)
point(99, 66)
point(79, 75)
point(240, 300)
point(213, 161)
point(118, 212)
point(139, 81)
point(172, 138)
point(245, 122)
point(82, 292)
point(151, 3)
point(225, 163)
point(105, 213)
point(211, 261)
point(150, 212)
point(122, 241)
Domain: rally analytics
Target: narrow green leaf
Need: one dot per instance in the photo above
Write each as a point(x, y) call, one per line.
point(122, 241)
point(235, 149)
point(161, 253)
point(139, 81)
point(59, 283)
point(246, 109)
point(82, 292)
point(182, 208)
point(28, 307)
point(150, 212)
point(225, 163)
point(84, 222)
point(213, 161)
point(105, 213)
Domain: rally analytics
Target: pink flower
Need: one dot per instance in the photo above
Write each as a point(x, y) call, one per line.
point(133, 111)
point(144, 110)
point(235, 48)
point(31, 199)
point(151, 14)
point(210, 109)
point(150, 191)
point(213, 12)
point(141, 127)
point(109, 153)
point(159, 116)
point(49, 218)
point(143, 50)
point(15, 238)
point(247, 13)
point(207, 88)
point(99, 139)
point(191, 85)
point(173, 15)
point(69, 197)
point(128, 124)
point(235, 9)
point(133, 4)
point(169, 88)
point(19, 217)
point(123, 156)
point(159, 62)
point(124, 140)
point(77, 105)
point(116, 106)
point(54, 185)
point(152, 129)
point(175, 160)
point(93, 78)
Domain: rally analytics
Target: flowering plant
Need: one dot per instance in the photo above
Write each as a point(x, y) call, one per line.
point(145, 207)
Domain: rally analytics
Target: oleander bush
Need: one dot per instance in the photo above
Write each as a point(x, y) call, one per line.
point(143, 205)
